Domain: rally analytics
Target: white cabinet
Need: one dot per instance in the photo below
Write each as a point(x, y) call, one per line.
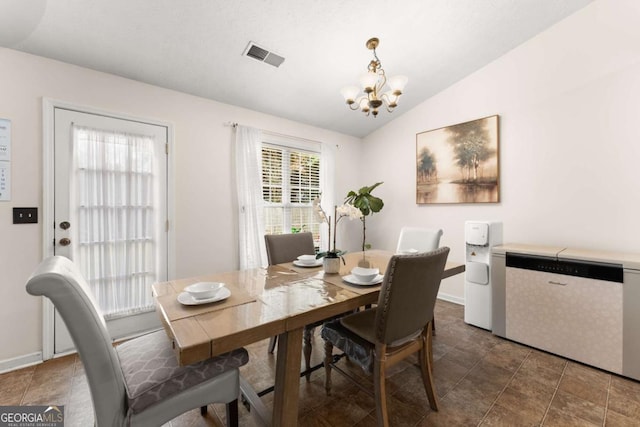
point(575, 317)
point(580, 304)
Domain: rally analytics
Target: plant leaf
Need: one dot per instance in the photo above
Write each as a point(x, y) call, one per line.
point(375, 203)
point(374, 186)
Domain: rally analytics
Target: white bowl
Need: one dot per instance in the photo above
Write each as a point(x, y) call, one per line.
point(204, 290)
point(365, 274)
point(307, 259)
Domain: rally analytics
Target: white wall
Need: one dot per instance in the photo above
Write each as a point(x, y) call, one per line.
point(569, 106)
point(205, 223)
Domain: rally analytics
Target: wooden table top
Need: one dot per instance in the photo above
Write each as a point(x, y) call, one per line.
point(264, 302)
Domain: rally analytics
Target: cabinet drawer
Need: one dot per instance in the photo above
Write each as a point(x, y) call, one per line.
point(575, 317)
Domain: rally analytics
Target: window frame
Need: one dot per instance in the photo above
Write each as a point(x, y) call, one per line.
point(289, 145)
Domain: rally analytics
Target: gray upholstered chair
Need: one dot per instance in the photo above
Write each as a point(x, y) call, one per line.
point(399, 326)
point(139, 382)
point(283, 248)
point(416, 239)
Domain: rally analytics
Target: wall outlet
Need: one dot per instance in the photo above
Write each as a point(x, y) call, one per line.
point(25, 215)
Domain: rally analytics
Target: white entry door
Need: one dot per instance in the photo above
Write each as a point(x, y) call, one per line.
point(110, 209)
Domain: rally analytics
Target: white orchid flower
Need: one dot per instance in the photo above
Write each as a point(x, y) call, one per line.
point(348, 210)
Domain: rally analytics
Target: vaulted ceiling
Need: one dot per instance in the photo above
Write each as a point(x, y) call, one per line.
point(196, 46)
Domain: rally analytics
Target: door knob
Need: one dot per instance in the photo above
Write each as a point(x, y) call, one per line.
point(65, 241)
point(65, 225)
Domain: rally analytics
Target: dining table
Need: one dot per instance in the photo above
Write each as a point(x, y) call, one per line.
point(262, 303)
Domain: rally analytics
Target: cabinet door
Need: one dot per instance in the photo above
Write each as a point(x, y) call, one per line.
point(577, 318)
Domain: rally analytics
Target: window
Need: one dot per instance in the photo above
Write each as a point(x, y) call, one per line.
point(290, 183)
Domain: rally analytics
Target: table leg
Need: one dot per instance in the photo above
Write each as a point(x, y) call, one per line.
point(285, 398)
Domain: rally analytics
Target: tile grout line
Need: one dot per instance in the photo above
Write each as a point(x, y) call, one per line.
point(26, 389)
point(458, 382)
point(606, 405)
point(77, 362)
point(504, 388)
point(461, 378)
point(546, 412)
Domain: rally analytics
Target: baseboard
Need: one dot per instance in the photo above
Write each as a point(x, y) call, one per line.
point(20, 362)
point(451, 298)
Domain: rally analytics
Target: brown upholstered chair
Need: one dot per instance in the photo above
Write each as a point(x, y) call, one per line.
point(139, 382)
point(283, 248)
point(399, 326)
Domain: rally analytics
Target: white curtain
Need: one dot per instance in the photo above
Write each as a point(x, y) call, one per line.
point(327, 184)
point(113, 211)
point(250, 202)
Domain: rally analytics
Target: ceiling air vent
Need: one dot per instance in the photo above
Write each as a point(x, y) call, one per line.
point(256, 52)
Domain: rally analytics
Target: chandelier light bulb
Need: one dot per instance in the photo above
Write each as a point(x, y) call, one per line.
point(397, 84)
point(350, 93)
point(368, 82)
point(364, 105)
point(391, 98)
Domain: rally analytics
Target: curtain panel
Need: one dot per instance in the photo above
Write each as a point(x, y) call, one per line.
point(114, 206)
point(252, 251)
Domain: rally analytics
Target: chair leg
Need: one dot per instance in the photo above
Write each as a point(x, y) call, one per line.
point(307, 347)
point(426, 368)
point(232, 413)
point(203, 410)
point(433, 325)
point(328, 359)
point(272, 343)
point(380, 393)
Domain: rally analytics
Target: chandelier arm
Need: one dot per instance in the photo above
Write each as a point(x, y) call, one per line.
point(382, 80)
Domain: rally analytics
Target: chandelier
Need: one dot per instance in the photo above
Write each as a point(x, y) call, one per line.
point(373, 83)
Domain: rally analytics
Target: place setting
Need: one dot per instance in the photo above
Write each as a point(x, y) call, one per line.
point(361, 276)
point(307, 261)
point(204, 293)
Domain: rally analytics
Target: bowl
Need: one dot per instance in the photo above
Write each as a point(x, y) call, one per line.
point(307, 259)
point(365, 274)
point(204, 290)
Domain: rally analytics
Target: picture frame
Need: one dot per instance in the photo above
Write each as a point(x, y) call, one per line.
point(459, 163)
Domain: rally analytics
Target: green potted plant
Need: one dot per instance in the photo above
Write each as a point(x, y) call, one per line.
point(368, 204)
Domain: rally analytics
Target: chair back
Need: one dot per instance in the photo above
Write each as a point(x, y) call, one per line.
point(408, 295)
point(59, 279)
point(288, 247)
point(419, 239)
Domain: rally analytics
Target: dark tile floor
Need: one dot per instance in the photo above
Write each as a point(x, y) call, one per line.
point(482, 380)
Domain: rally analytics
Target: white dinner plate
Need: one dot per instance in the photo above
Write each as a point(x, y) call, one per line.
point(350, 278)
point(317, 263)
point(187, 299)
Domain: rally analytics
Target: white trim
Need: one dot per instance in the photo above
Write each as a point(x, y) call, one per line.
point(48, 107)
point(291, 142)
point(19, 362)
point(450, 298)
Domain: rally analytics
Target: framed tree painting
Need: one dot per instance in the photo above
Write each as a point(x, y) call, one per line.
point(459, 163)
